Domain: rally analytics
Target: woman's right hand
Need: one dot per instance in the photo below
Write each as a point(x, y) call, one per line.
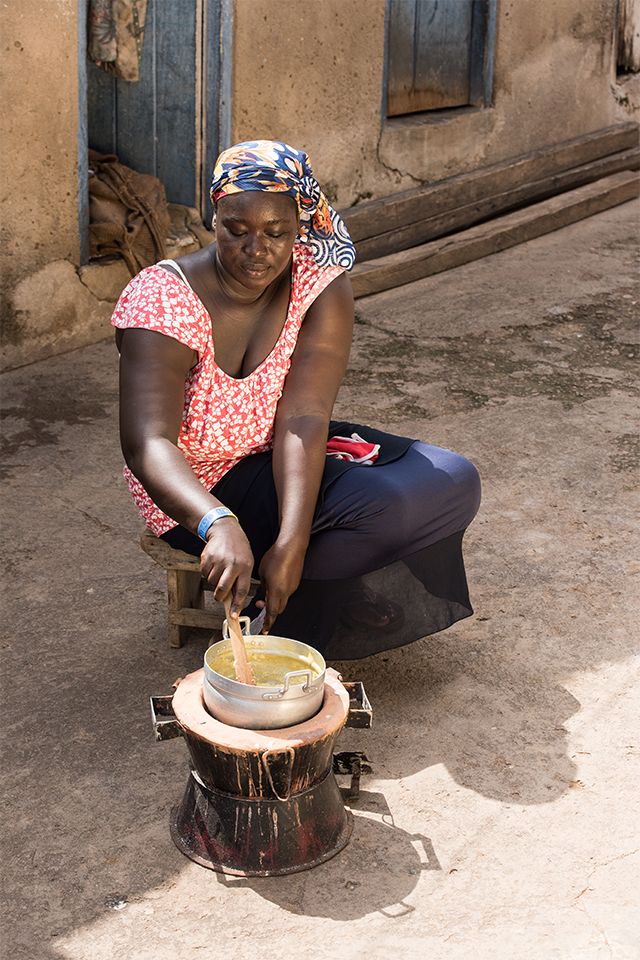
point(227, 562)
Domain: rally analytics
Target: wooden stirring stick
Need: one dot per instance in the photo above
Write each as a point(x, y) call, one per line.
point(244, 673)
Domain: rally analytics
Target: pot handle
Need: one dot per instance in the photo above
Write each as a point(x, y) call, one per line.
point(308, 687)
point(245, 626)
point(266, 759)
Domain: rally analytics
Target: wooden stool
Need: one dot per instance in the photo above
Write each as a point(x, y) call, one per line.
point(185, 589)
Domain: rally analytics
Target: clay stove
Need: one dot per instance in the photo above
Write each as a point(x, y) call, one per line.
point(260, 803)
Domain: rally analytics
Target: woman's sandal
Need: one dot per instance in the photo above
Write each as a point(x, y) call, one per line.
point(373, 611)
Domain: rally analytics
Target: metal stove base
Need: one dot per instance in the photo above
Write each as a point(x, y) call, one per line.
point(259, 837)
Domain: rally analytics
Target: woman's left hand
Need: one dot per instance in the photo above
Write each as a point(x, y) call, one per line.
point(280, 573)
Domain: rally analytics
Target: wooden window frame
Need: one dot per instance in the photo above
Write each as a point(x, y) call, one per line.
point(482, 45)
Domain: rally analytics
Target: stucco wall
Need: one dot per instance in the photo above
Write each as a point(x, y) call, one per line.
point(50, 303)
point(310, 72)
point(38, 131)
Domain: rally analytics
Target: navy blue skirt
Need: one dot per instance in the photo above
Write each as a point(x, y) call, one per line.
point(386, 536)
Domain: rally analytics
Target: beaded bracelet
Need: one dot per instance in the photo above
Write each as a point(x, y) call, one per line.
point(216, 514)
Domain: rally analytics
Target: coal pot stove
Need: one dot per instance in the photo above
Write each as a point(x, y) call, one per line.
point(261, 802)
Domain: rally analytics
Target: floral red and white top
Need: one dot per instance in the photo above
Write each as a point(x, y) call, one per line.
point(224, 419)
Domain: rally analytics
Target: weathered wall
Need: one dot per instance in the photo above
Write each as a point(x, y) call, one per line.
point(310, 72)
point(45, 306)
point(50, 303)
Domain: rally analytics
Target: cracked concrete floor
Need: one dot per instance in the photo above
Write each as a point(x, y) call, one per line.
point(501, 817)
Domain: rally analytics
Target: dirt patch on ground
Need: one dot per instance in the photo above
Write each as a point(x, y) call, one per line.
point(37, 418)
point(572, 357)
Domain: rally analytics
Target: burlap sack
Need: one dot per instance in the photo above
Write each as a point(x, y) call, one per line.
point(128, 213)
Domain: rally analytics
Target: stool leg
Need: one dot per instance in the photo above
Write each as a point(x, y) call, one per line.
point(184, 589)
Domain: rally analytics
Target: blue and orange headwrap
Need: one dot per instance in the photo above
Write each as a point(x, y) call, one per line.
point(275, 167)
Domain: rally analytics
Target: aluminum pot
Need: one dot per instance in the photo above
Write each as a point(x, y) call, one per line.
point(290, 697)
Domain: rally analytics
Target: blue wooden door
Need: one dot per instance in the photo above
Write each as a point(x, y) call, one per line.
point(167, 123)
point(436, 54)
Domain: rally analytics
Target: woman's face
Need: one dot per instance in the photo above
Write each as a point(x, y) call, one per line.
point(255, 231)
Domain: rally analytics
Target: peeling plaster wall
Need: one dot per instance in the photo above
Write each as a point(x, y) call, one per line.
point(39, 158)
point(60, 307)
point(310, 72)
point(49, 303)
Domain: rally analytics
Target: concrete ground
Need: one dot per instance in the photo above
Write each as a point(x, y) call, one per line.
point(501, 817)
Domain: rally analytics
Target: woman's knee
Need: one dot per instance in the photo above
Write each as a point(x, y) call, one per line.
point(469, 480)
point(458, 479)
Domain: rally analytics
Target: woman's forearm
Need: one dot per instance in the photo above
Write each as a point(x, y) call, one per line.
point(163, 471)
point(226, 559)
point(299, 453)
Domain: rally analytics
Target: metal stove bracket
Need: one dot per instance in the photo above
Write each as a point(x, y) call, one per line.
point(355, 763)
point(165, 724)
point(360, 712)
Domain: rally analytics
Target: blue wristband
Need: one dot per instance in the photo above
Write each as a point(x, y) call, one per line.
point(216, 514)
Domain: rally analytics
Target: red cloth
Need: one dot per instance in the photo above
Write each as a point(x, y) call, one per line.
point(353, 448)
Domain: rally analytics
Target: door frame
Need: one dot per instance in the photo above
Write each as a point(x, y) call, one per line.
point(213, 62)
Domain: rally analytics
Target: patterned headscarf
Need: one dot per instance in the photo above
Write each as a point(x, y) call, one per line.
point(277, 168)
